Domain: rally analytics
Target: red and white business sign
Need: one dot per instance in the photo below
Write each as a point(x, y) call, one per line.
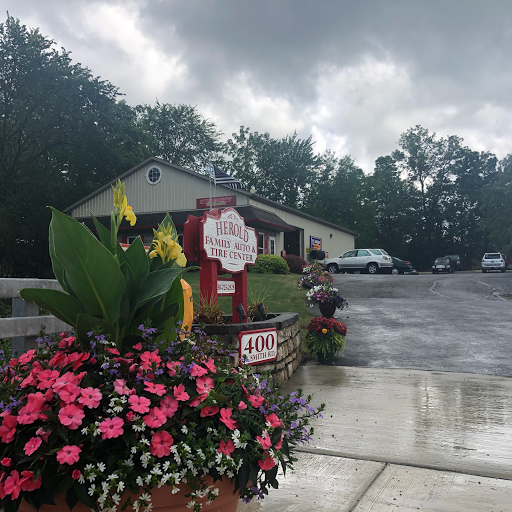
point(227, 239)
point(259, 346)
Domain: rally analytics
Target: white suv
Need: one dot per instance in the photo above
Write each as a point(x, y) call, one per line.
point(493, 261)
point(370, 260)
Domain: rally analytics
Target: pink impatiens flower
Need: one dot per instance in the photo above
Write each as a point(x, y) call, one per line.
point(169, 406)
point(226, 448)
point(148, 358)
point(225, 417)
point(90, 397)
point(111, 427)
point(71, 416)
point(28, 483)
point(32, 445)
point(273, 421)
point(267, 462)
point(256, 401)
point(204, 384)
point(69, 393)
point(161, 444)
point(8, 428)
point(156, 418)
point(265, 441)
point(197, 371)
point(139, 403)
point(210, 364)
point(209, 411)
point(46, 378)
point(69, 454)
point(242, 405)
point(180, 393)
point(12, 485)
point(121, 387)
point(172, 367)
point(157, 389)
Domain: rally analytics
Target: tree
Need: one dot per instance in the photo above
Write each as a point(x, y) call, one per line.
point(280, 169)
point(180, 135)
point(429, 163)
point(497, 205)
point(396, 204)
point(339, 196)
point(62, 134)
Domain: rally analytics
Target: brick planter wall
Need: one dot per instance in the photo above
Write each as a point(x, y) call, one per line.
point(289, 355)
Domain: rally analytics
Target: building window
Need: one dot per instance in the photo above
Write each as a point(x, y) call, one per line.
point(272, 245)
point(261, 243)
point(153, 175)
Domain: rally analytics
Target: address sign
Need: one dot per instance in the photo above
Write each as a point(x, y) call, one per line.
point(258, 346)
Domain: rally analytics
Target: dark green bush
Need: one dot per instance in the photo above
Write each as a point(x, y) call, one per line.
point(270, 264)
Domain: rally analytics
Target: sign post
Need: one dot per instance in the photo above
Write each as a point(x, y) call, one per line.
point(221, 241)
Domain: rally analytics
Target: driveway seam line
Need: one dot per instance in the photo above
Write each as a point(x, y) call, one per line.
point(368, 487)
point(330, 453)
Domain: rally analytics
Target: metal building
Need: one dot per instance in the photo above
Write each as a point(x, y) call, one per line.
point(156, 187)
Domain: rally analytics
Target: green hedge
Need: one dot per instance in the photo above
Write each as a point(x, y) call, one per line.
point(270, 264)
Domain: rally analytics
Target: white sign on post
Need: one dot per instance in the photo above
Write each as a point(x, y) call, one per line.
point(258, 346)
point(227, 239)
point(225, 287)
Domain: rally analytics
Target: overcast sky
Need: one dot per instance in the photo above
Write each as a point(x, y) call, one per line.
point(354, 74)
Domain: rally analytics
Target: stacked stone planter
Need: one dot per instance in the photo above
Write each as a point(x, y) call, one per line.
point(289, 355)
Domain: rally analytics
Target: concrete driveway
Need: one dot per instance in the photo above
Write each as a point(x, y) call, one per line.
point(393, 437)
point(457, 322)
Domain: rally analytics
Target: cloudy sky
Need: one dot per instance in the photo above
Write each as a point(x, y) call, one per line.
point(354, 74)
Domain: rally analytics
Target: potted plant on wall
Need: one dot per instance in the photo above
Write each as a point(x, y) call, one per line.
point(131, 409)
point(328, 299)
point(325, 337)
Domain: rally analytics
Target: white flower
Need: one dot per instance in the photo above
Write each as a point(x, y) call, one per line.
point(91, 490)
point(191, 504)
point(184, 429)
point(139, 481)
point(120, 486)
point(101, 466)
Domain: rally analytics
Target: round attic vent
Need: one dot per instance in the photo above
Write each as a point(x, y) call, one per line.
point(153, 175)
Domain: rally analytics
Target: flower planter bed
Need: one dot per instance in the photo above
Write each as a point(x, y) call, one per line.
point(289, 355)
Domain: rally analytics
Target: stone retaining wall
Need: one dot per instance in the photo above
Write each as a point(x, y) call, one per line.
point(289, 355)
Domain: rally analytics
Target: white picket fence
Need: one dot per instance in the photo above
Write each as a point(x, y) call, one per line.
point(25, 323)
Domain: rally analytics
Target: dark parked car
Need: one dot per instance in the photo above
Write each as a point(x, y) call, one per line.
point(402, 267)
point(456, 264)
point(443, 264)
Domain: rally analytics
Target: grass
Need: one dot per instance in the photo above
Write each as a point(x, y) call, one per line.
point(282, 294)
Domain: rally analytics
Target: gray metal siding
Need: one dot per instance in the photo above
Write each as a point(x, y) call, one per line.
point(334, 241)
point(176, 190)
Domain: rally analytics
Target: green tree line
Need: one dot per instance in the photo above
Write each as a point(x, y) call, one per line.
point(65, 132)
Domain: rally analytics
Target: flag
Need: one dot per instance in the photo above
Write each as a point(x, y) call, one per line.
point(221, 178)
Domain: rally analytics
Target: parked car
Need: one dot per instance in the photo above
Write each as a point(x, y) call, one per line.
point(402, 267)
point(443, 264)
point(457, 265)
point(372, 261)
point(494, 261)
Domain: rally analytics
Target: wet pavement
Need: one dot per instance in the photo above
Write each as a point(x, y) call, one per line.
point(418, 407)
point(405, 439)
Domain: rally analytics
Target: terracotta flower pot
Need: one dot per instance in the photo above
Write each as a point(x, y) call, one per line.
point(163, 500)
point(327, 309)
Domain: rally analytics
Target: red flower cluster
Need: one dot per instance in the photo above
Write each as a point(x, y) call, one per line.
point(317, 325)
point(69, 406)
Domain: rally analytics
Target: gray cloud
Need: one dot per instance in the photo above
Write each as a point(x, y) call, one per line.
point(353, 74)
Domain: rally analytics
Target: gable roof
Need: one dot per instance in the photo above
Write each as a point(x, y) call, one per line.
point(256, 197)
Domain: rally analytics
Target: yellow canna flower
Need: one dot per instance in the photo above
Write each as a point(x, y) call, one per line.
point(129, 215)
point(167, 247)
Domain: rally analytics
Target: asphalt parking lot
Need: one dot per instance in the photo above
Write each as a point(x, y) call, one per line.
point(457, 322)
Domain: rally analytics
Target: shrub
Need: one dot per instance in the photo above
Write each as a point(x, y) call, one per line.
point(296, 263)
point(270, 264)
